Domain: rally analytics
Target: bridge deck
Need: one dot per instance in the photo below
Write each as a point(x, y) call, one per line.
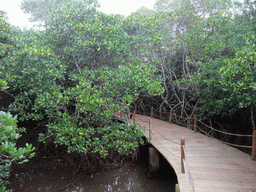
point(211, 165)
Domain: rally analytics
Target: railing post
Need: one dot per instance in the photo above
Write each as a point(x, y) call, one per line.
point(134, 113)
point(253, 145)
point(170, 118)
point(182, 144)
point(136, 108)
point(121, 114)
point(152, 112)
point(149, 129)
point(195, 123)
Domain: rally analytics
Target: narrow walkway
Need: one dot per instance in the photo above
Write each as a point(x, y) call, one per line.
point(211, 166)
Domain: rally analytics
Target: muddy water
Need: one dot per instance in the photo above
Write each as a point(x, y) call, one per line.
point(53, 174)
point(128, 177)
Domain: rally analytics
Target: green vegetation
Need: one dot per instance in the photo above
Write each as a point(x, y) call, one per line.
point(238, 79)
point(191, 56)
point(9, 133)
point(189, 42)
point(73, 77)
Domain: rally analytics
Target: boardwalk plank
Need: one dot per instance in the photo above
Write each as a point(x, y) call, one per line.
point(213, 166)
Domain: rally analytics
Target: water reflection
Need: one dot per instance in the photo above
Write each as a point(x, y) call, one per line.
point(127, 178)
point(131, 178)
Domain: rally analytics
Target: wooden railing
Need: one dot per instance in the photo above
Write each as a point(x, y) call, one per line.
point(184, 164)
point(196, 128)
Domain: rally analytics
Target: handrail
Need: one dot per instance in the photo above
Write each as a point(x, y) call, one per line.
point(185, 168)
point(234, 145)
point(224, 132)
point(171, 113)
point(184, 163)
point(164, 146)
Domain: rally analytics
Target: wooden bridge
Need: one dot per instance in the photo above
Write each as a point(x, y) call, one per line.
point(201, 163)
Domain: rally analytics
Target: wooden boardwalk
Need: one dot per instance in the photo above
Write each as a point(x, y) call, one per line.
point(211, 166)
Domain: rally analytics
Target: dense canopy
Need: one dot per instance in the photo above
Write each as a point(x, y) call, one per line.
point(190, 56)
